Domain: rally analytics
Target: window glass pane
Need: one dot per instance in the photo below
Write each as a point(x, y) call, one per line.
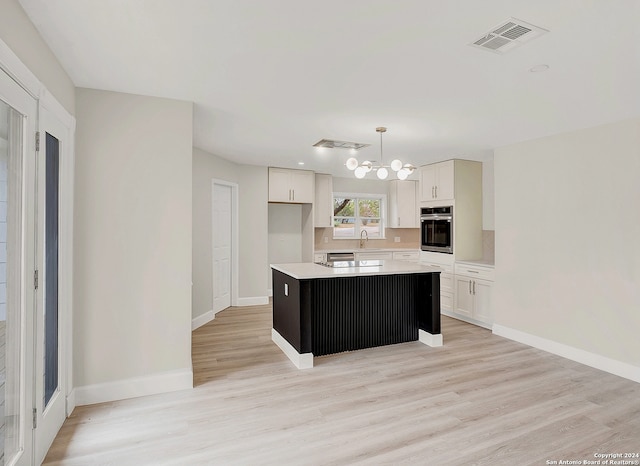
point(344, 227)
point(371, 226)
point(51, 268)
point(369, 207)
point(343, 207)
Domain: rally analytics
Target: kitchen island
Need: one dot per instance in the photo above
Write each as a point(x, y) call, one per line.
point(319, 310)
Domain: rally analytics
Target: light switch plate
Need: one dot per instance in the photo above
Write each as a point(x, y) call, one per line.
point(396, 239)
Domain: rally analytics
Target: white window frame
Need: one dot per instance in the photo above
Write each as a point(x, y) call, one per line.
point(356, 196)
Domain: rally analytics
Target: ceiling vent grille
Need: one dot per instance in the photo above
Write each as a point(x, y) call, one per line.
point(508, 35)
point(332, 144)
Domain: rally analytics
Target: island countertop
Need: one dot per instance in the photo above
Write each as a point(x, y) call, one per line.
point(310, 270)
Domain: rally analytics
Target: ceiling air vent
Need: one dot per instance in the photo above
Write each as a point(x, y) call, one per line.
point(332, 144)
point(508, 35)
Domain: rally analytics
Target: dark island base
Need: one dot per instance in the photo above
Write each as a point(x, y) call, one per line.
point(331, 315)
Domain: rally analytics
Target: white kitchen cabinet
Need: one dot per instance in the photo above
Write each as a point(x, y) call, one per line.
point(437, 181)
point(473, 288)
point(291, 186)
point(373, 255)
point(447, 292)
point(406, 255)
point(323, 204)
point(403, 204)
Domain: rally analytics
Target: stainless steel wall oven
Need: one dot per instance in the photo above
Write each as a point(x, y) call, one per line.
point(436, 228)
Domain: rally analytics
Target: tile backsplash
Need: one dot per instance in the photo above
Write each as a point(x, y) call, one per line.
point(409, 238)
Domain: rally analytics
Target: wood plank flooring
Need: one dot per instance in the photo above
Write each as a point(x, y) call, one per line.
point(480, 399)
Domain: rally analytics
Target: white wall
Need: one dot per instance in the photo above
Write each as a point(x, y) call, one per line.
point(567, 230)
point(254, 219)
point(285, 235)
point(132, 284)
point(205, 168)
point(253, 229)
point(19, 33)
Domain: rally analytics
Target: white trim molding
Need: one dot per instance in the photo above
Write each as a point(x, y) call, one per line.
point(253, 301)
point(301, 361)
point(603, 363)
point(203, 319)
point(164, 382)
point(429, 339)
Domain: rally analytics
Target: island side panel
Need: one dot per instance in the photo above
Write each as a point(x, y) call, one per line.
point(427, 302)
point(291, 310)
point(352, 313)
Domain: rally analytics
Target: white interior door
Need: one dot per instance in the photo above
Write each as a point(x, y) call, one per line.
point(222, 245)
point(17, 175)
point(50, 368)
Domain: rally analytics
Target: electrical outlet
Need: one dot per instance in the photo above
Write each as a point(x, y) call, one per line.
point(396, 239)
point(326, 240)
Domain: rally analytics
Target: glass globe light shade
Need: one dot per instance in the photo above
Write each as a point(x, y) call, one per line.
point(403, 174)
point(360, 172)
point(352, 163)
point(382, 173)
point(367, 166)
point(396, 165)
point(409, 168)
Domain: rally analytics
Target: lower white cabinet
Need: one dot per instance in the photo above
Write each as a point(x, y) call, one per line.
point(473, 289)
point(374, 255)
point(406, 255)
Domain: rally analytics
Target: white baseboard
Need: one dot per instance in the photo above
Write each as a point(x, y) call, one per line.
point(253, 301)
point(587, 358)
point(301, 361)
point(203, 319)
point(71, 402)
point(447, 313)
point(429, 339)
point(132, 388)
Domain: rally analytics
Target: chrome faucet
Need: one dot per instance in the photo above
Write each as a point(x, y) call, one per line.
point(362, 241)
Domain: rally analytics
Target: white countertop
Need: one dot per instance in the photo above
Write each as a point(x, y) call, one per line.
point(307, 270)
point(323, 251)
point(479, 262)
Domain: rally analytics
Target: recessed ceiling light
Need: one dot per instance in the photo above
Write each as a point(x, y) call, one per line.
point(300, 163)
point(539, 68)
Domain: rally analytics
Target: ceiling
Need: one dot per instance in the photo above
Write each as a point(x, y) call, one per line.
point(269, 78)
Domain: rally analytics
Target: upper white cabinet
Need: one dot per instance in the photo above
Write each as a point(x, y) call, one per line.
point(323, 205)
point(403, 204)
point(437, 181)
point(291, 186)
point(457, 183)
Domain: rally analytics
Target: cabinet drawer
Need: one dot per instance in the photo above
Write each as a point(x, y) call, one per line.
point(406, 256)
point(473, 271)
point(446, 301)
point(363, 256)
point(446, 282)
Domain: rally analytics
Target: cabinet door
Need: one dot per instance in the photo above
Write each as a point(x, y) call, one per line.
point(428, 183)
point(323, 205)
point(279, 187)
point(302, 186)
point(363, 256)
point(394, 217)
point(464, 297)
point(445, 181)
point(482, 297)
point(407, 209)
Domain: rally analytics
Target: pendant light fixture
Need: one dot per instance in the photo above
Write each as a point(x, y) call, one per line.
point(361, 169)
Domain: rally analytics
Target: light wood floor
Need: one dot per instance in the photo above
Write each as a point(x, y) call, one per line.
point(480, 399)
